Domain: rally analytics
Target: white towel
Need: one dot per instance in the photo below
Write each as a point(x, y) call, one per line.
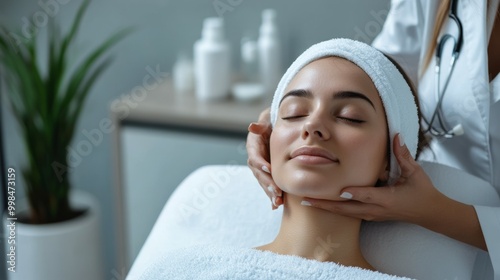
point(212, 262)
point(398, 101)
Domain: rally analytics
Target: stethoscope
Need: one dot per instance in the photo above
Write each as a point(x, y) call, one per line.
point(442, 131)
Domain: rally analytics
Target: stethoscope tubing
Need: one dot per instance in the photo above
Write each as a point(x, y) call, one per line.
point(439, 97)
point(439, 94)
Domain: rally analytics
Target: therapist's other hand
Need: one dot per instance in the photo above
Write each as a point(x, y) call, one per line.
point(412, 199)
point(258, 157)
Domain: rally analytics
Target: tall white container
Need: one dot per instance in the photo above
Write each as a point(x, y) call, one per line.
point(212, 63)
point(269, 51)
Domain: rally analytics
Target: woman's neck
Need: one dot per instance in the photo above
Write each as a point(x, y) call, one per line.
point(317, 234)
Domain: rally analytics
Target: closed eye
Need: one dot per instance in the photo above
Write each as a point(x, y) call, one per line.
point(293, 117)
point(349, 120)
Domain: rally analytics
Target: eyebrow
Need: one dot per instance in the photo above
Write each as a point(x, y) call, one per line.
point(339, 95)
point(298, 93)
point(353, 94)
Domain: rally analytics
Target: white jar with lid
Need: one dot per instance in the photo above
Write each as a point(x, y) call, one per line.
point(212, 65)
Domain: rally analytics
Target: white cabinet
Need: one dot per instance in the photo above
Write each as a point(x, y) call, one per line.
point(159, 141)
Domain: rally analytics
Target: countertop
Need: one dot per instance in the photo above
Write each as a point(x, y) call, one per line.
point(160, 104)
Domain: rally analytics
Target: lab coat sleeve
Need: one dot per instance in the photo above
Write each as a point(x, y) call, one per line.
point(401, 35)
point(489, 218)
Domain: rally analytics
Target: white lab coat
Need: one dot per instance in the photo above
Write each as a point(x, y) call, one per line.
point(470, 100)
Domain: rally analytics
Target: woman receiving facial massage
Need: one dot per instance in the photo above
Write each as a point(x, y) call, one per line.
point(339, 113)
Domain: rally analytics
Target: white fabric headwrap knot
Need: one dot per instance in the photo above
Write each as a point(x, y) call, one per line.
point(398, 101)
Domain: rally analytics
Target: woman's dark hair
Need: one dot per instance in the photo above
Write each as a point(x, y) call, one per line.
point(422, 140)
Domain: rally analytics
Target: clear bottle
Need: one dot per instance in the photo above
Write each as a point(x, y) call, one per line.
point(183, 75)
point(249, 87)
point(269, 51)
point(249, 60)
point(212, 62)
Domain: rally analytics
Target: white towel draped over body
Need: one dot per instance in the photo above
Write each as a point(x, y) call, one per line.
point(217, 262)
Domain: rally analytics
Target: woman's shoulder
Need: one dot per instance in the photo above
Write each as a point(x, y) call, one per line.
point(227, 262)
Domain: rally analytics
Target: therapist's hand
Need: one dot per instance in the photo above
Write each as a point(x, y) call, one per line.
point(258, 157)
point(412, 199)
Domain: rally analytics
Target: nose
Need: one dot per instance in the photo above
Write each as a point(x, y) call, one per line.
point(315, 127)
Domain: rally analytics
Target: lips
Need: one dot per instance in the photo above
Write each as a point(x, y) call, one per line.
point(314, 155)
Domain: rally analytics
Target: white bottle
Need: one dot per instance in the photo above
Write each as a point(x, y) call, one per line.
point(269, 51)
point(212, 62)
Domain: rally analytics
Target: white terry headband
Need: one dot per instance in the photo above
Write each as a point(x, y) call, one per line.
point(398, 101)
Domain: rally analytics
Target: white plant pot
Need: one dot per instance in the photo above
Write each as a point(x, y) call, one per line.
point(65, 250)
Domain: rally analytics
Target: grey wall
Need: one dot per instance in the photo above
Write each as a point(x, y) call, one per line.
point(163, 28)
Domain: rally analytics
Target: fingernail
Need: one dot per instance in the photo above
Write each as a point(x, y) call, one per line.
point(271, 190)
point(305, 203)
point(401, 140)
point(279, 193)
point(265, 169)
point(346, 195)
point(274, 200)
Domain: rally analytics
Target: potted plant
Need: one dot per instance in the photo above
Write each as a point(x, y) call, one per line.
point(48, 107)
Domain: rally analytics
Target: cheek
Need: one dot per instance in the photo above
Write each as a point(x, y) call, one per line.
point(280, 142)
point(280, 139)
point(367, 153)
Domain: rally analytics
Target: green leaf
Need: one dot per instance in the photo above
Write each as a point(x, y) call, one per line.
point(74, 28)
point(82, 94)
point(79, 74)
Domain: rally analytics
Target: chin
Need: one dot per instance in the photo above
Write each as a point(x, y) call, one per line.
point(312, 190)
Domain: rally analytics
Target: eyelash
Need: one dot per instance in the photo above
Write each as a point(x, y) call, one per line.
point(354, 121)
point(293, 117)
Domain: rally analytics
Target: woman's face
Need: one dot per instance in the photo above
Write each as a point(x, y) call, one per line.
point(331, 131)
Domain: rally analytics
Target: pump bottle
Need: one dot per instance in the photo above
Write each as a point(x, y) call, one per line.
point(269, 51)
point(212, 62)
